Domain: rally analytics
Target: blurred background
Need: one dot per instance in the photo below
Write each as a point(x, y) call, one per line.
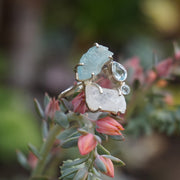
point(41, 42)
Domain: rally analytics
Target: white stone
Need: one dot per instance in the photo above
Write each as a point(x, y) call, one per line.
point(109, 100)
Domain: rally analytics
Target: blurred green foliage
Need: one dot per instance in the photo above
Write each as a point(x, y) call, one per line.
point(17, 124)
point(151, 113)
point(115, 21)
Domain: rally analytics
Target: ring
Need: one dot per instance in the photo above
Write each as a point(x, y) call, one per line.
point(95, 61)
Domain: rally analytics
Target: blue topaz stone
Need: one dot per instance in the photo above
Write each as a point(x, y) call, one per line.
point(125, 89)
point(118, 71)
point(92, 62)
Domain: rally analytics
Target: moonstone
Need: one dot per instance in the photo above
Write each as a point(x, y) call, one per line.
point(125, 89)
point(119, 72)
point(93, 60)
point(109, 100)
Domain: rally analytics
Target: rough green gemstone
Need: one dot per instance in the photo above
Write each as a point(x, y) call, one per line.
point(93, 60)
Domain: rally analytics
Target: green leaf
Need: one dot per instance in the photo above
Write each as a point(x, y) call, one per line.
point(98, 138)
point(70, 167)
point(117, 137)
point(66, 104)
point(82, 131)
point(100, 165)
point(75, 162)
point(44, 129)
point(96, 178)
point(115, 160)
point(81, 174)
point(68, 172)
point(104, 137)
point(96, 172)
point(103, 115)
point(22, 159)
point(70, 142)
point(74, 116)
point(34, 150)
point(102, 150)
point(61, 119)
point(67, 133)
point(75, 134)
point(66, 168)
point(46, 100)
point(90, 176)
point(38, 108)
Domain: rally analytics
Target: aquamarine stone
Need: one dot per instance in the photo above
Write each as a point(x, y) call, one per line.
point(119, 72)
point(93, 60)
point(125, 89)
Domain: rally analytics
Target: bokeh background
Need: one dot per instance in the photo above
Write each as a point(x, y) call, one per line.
point(41, 42)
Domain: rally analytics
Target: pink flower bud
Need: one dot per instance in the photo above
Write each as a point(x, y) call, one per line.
point(32, 160)
point(164, 67)
point(109, 166)
point(86, 143)
point(79, 103)
point(135, 70)
point(51, 108)
point(168, 99)
point(177, 55)
point(109, 126)
point(151, 76)
point(104, 83)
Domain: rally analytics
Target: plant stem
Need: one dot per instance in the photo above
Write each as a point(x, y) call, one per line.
point(45, 149)
point(92, 157)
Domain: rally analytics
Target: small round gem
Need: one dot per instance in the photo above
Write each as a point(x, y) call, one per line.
point(125, 89)
point(119, 72)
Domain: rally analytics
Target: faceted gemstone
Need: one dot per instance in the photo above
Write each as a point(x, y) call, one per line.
point(119, 72)
point(93, 60)
point(125, 89)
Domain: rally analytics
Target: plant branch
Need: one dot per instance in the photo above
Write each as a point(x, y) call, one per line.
point(45, 149)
